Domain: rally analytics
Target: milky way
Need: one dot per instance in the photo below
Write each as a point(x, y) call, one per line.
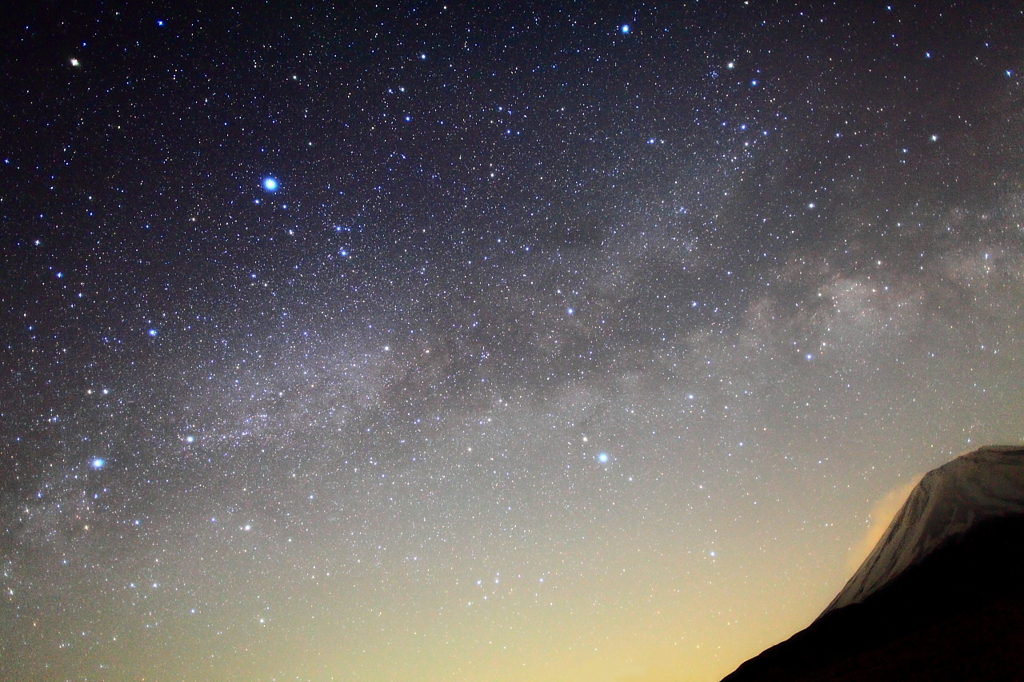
point(525, 343)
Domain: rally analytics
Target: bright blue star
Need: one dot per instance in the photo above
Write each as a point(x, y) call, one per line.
point(625, 29)
point(152, 332)
point(98, 463)
point(270, 184)
point(602, 457)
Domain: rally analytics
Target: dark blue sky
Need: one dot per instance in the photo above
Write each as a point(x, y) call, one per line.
point(557, 350)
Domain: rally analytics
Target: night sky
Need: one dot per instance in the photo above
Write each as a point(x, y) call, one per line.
point(545, 342)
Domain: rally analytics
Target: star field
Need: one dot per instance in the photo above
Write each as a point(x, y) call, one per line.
point(530, 342)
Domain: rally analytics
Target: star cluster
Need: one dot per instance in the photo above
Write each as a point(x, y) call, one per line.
point(541, 342)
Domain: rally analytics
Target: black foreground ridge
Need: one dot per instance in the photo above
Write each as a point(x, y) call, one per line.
point(941, 596)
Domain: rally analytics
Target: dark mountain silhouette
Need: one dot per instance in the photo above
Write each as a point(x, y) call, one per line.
point(941, 597)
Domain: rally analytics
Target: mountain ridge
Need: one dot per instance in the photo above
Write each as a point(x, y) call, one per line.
point(946, 503)
point(939, 598)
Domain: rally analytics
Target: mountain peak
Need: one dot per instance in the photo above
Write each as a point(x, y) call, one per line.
point(939, 599)
point(949, 501)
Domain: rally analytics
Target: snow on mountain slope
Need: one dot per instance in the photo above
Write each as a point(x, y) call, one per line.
point(948, 501)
